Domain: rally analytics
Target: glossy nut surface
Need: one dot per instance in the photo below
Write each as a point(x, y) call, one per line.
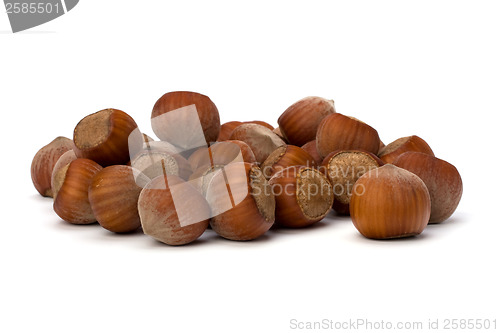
point(441, 178)
point(71, 192)
point(390, 202)
point(226, 129)
point(104, 137)
point(173, 122)
point(284, 157)
point(113, 196)
point(44, 162)
point(390, 152)
point(241, 200)
point(340, 132)
point(299, 123)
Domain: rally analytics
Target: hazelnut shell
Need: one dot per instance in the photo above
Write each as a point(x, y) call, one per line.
point(284, 157)
point(390, 152)
point(113, 196)
point(441, 178)
point(390, 202)
point(207, 113)
point(71, 196)
point(104, 137)
point(340, 132)
point(303, 196)
point(242, 202)
point(299, 123)
point(44, 161)
point(172, 211)
point(260, 139)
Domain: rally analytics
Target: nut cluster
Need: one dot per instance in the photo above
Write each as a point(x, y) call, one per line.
point(242, 178)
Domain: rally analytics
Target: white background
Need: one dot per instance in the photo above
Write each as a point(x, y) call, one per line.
point(429, 68)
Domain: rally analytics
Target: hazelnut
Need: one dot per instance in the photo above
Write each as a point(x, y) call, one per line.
point(410, 143)
point(284, 157)
point(226, 129)
point(207, 161)
point(71, 199)
point(441, 178)
point(154, 163)
point(299, 123)
point(241, 201)
point(113, 196)
point(381, 146)
point(260, 122)
point(172, 211)
point(64, 160)
point(44, 161)
point(303, 196)
point(390, 202)
point(222, 153)
point(343, 168)
point(339, 132)
point(260, 139)
point(201, 177)
point(311, 148)
point(104, 137)
point(278, 132)
point(177, 117)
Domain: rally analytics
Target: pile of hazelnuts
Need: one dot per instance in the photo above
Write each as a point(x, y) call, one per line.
point(241, 178)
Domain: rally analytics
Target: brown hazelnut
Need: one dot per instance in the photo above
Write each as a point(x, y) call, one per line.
point(260, 122)
point(284, 157)
point(177, 117)
point(71, 198)
point(278, 132)
point(441, 178)
point(222, 153)
point(226, 129)
point(153, 163)
point(104, 137)
point(343, 168)
point(44, 161)
point(303, 196)
point(260, 139)
point(63, 161)
point(172, 211)
point(113, 196)
point(241, 201)
point(410, 143)
point(299, 123)
point(311, 148)
point(339, 132)
point(390, 202)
